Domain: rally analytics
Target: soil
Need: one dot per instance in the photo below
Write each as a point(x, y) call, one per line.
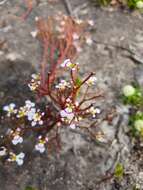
point(116, 58)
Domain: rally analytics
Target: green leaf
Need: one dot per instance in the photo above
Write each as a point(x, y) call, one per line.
point(119, 171)
point(132, 3)
point(30, 188)
point(78, 81)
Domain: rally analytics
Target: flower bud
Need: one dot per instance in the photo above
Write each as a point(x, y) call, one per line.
point(139, 4)
point(139, 124)
point(128, 90)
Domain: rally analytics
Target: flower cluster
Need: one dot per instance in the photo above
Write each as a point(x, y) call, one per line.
point(29, 113)
point(35, 116)
point(17, 139)
point(65, 103)
point(63, 84)
point(35, 82)
point(67, 114)
point(70, 110)
point(28, 110)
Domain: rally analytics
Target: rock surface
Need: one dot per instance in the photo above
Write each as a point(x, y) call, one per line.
point(81, 164)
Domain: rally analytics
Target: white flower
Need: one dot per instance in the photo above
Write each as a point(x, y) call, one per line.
point(139, 4)
point(37, 119)
point(17, 139)
point(67, 114)
point(91, 81)
point(129, 90)
point(31, 113)
point(17, 158)
point(35, 82)
point(79, 21)
point(35, 76)
point(2, 151)
point(88, 40)
point(40, 147)
point(63, 84)
point(94, 111)
point(34, 85)
point(67, 63)
point(10, 109)
point(29, 104)
point(21, 112)
point(75, 36)
point(139, 124)
point(68, 100)
point(34, 116)
point(34, 33)
point(28, 109)
point(91, 22)
point(72, 126)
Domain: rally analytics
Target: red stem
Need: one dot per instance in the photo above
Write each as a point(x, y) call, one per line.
point(43, 63)
point(52, 74)
point(25, 15)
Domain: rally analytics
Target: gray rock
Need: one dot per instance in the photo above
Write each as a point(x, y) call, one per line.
point(138, 73)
